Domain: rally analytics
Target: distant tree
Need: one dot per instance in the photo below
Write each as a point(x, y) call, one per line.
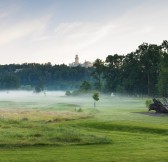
point(68, 93)
point(85, 86)
point(39, 87)
point(98, 73)
point(10, 81)
point(54, 76)
point(165, 46)
point(96, 98)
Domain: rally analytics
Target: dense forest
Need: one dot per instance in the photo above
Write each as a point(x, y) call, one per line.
point(51, 77)
point(142, 72)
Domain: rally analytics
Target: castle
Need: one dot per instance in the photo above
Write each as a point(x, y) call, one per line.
point(86, 64)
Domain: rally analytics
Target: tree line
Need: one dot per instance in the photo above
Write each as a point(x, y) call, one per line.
point(52, 77)
point(143, 72)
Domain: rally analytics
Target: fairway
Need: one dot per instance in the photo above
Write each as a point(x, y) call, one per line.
point(52, 127)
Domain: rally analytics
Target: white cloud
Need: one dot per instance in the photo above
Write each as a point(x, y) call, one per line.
point(3, 14)
point(17, 32)
point(6, 12)
point(34, 41)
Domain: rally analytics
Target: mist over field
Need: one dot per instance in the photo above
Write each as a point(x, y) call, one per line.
point(22, 94)
point(43, 100)
point(83, 81)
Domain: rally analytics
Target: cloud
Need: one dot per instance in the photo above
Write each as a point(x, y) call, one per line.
point(8, 10)
point(16, 32)
point(43, 40)
point(3, 14)
point(81, 34)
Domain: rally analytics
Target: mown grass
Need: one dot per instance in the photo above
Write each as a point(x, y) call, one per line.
point(51, 129)
point(27, 133)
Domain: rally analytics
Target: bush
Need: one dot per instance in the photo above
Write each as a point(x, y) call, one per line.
point(148, 102)
point(68, 93)
point(79, 110)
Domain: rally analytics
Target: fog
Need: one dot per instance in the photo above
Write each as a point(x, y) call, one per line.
point(10, 99)
point(56, 100)
point(43, 100)
point(18, 94)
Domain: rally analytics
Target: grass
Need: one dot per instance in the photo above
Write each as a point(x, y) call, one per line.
point(50, 128)
point(28, 133)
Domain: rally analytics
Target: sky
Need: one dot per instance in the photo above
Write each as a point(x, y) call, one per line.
point(41, 31)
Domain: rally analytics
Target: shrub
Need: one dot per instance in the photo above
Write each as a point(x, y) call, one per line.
point(68, 93)
point(148, 102)
point(79, 110)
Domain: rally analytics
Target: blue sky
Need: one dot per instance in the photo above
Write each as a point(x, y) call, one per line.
point(56, 30)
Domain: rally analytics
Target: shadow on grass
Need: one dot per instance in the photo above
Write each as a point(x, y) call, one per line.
point(126, 127)
point(149, 113)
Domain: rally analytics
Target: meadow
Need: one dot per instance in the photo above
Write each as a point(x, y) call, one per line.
point(52, 127)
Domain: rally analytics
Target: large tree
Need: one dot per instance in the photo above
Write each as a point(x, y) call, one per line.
point(163, 76)
point(150, 56)
point(113, 72)
point(98, 73)
point(132, 81)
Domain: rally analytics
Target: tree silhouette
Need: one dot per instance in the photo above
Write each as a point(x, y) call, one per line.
point(96, 98)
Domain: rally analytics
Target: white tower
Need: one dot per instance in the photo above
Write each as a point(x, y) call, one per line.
point(76, 59)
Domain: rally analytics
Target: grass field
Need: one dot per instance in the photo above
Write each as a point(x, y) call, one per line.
point(55, 128)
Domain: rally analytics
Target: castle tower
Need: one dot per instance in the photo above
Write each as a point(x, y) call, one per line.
point(76, 59)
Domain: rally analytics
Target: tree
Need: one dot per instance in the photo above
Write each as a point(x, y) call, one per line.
point(10, 81)
point(68, 93)
point(150, 56)
point(163, 76)
point(98, 73)
point(131, 74)
point(39, 87)
point(85, 86)
point(96, 98)
point(113, 72)
point(53, 76)
point(165, 46)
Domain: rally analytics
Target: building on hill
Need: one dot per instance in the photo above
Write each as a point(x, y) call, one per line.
point(76, 63)
point(86, 64)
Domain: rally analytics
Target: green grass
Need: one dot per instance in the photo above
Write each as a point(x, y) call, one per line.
point(46, 129)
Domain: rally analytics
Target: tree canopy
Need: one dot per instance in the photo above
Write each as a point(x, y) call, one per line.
point(142, 72)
